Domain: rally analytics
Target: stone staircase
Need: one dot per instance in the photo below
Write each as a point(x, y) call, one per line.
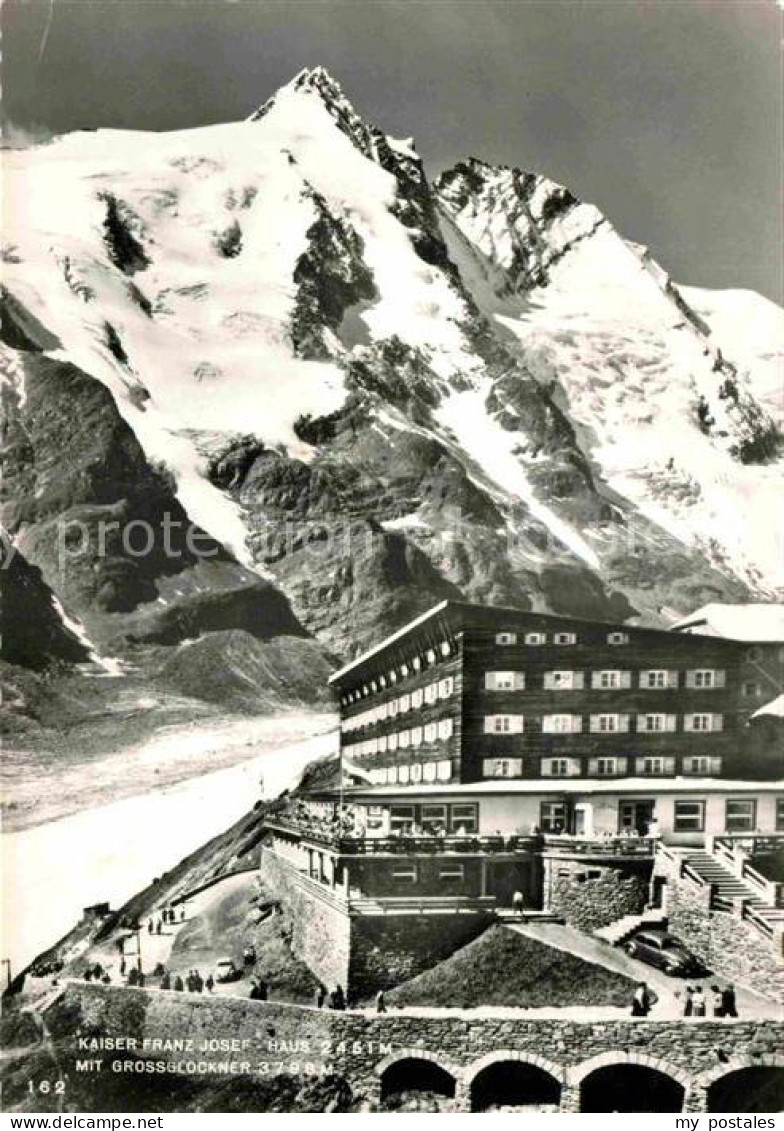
point(726, 885)
point(619, 931)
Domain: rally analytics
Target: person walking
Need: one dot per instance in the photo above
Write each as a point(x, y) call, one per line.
point(717, 1001)
point(699, 1005)
point(381, 1005)
point(178, 984)
point(729, 1001)
point(339, 998)
point(641, 1001)
point(321, 995)
point(518, 903)
point(198, 982)
point(210, 983)
point(165, 980)
point(150, 926)
point(688, 1002)
point(159, 926)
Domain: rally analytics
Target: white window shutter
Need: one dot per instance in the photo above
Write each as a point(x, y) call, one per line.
point(517, 723)
point(717, 722)
point(519, 681)
point(671, 723)
point(720, 678)
point(489, 724)
point(578, 680)
point(490, 681)
point(577, 724)
point(621, 765)
point(623, 723)
point(594, 724)
point(626, 679)
point(691, 680)
point(547, 768)
point(593, 767)
point(672, 679)
point(688, 722)
point(596, 679)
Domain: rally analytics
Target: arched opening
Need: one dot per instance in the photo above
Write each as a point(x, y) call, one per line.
point(514, 1084)
point(754, 1090)
point(630, 1087)
point(415, 1084)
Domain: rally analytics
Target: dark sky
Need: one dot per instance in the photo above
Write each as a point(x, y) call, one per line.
point(667, 114)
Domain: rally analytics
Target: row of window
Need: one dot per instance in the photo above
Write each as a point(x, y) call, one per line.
point(740, 815)
point(400, 740)
point(534, 639)
point(457, 817)
point(411, 774)
point(411, 701)
point(606, 766)
point(402, 671)
point(611, 723)
point(650, 679)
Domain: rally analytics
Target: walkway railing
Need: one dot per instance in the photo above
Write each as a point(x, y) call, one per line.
point(599, 846)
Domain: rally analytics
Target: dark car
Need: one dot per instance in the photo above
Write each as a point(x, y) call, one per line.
point(669, 954)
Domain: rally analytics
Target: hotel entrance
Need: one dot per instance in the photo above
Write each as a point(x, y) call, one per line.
point(635, 816)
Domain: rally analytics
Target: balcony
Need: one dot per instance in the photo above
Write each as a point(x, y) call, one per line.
point(402, 844)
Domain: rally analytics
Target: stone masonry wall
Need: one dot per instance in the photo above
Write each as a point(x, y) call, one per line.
point(358, 1046)
point(322, 929)
point(724, 942)
point(389, 949)
point(589, 894)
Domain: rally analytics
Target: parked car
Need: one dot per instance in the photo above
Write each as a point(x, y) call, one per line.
point(669, 954)
point(226, 971)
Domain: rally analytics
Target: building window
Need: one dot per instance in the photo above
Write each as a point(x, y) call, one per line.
point(416, 664)
point(404, 738)
point(504, 724)
point(506, 638)
point(705, 678)
point(752, 689)
point(689, 817)
point(431, 693)
point(433, 817)
point(780, 814)
point(703, 722)
point(608, 680)
point(561, 724)
point(607, 724)
point(701, 764)
point(430, 656)
point(560, 767)
point(617, 638)
point(564, 638)
point(658, 678)
point(446, 647)
point(464, 818)
point(535, 638)
point(446, 687)
point(754, 654)
point(445, 728)
point(653, 724)
point(404, 874)
point(452, 873)
point(444, 770)
point(417, 698)
point(405, 703)
point(502, 767)
point(429, 772)
point(606, 767)
point(655, 766)
point(552, 816)
point(504, 681)
point(416, 772)
point(401, 817)
point(431, 732)
point(563, 681)
point(392, 775)
point(416, 736)
point(740, 815)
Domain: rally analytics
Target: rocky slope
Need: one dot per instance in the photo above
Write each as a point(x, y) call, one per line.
point(363, 393)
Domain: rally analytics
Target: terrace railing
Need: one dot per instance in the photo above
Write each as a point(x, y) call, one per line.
point(599, 846)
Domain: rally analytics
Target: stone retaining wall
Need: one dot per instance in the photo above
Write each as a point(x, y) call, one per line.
point(590, 894)
point(360, 1046)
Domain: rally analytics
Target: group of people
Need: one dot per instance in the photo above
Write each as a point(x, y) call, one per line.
point(96, 973)
point(722, 1002)
point(332, 999)
point(167, 915)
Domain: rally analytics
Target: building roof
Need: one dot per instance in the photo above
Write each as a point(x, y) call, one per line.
point(588, 786)
point(460, 613)
point(774, 708)
point(755, 623)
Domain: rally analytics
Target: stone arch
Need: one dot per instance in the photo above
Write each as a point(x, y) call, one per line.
point(416, 1070)
point(633, 1079)
point(578, 1072)
point(512, 1078)
point(415, 1053)
point(736, 1064)
point(533, 1058)
point(757, 1087)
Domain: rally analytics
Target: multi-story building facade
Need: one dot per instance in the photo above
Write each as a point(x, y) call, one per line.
point(467, 694)
point(488, 751)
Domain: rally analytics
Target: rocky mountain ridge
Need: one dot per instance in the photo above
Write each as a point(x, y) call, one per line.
point(361, 393)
